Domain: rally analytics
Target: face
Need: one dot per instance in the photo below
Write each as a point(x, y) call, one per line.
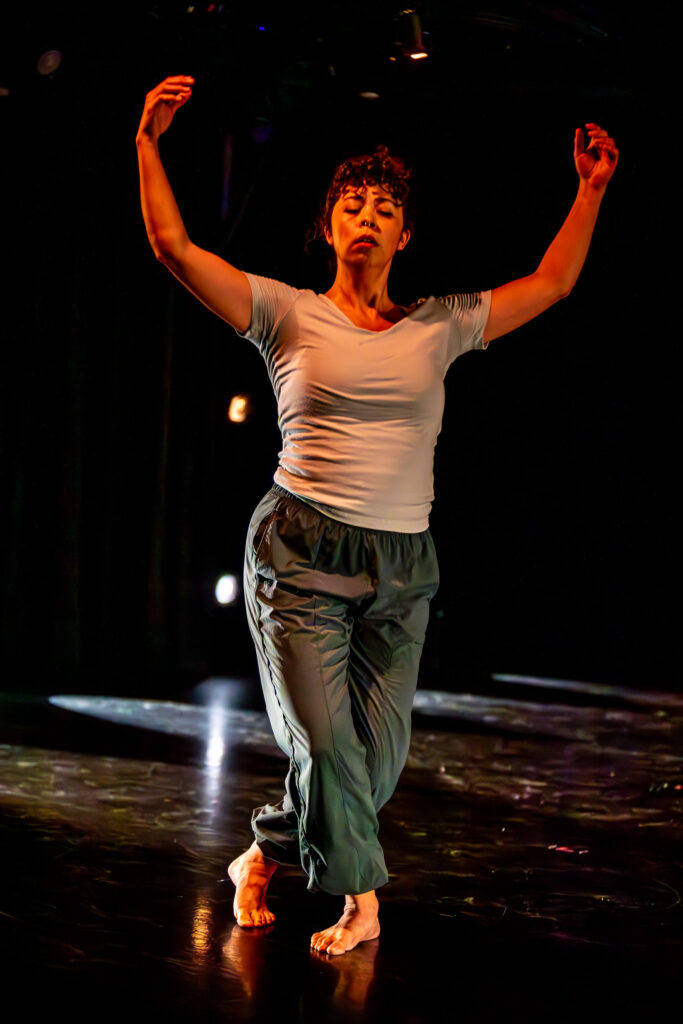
point(367, 226)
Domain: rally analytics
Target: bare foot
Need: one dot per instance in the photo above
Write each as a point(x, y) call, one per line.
point(358, 923)
point(251, 874)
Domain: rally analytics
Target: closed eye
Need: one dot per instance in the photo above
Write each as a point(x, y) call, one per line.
point(357, 209)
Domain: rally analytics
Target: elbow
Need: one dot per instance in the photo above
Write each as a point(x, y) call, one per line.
point(562, 288)
point(163, 255)
point(168, 247)
point(550, 288)
point(169, 253)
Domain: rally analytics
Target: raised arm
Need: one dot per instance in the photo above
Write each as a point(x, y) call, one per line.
point(220, 286)
point(519, 301)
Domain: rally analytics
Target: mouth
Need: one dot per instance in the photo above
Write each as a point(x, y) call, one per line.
point(365, 240)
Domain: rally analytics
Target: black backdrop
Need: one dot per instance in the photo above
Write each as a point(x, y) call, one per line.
point(128, 492)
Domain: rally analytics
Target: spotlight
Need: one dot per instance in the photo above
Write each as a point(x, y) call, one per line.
point(409, 35)
point(227, 589)
point(239, 409)
point(49, 62)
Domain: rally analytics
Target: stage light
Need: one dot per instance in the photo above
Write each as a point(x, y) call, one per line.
point(239, 409)
point(49, 62)
point(409, 35)
point(227, 589)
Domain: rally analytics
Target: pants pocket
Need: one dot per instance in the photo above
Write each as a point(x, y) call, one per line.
point(261, 521)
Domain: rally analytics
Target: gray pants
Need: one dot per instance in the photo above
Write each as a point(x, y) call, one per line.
point(338, 615)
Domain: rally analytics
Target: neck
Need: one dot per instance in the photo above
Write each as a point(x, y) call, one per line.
point(360, 289)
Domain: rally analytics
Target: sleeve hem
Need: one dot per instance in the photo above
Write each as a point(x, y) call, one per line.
point(248, 333)
point(486, 312)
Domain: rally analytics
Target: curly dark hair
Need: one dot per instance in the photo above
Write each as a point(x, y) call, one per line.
point(378, 168)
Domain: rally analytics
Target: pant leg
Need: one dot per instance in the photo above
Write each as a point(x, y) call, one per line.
point(299, 614)
point(386, 645)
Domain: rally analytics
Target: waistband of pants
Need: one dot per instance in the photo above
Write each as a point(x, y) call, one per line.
point(369, 530)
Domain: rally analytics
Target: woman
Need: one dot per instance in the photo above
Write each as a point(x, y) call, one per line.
point(340, 566)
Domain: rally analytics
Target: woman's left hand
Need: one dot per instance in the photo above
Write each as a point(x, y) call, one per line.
point(596, 163)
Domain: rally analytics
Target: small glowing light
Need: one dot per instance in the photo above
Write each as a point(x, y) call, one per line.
point(239, 409)
point(369, 95)
point(215, 751)
point(49, 62)
point(227, 589)
point(409, 35)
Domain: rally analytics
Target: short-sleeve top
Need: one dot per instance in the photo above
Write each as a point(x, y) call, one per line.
point(360, 410)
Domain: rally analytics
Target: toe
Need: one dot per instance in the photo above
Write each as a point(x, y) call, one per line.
point(244, 919)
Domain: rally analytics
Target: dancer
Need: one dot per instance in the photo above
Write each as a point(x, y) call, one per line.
point(340, 566)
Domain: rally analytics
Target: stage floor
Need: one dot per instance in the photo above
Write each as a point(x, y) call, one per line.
point(534, 848)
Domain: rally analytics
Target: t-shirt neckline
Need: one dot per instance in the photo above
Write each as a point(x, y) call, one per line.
point(368, 330)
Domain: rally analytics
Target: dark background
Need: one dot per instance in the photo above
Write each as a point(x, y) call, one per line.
point(127, 492)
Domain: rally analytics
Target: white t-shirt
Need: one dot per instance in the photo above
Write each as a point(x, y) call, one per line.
point(360, 410)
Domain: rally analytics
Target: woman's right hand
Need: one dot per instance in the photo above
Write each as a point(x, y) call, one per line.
point(162, 103)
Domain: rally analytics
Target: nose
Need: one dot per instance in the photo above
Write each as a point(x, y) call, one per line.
point(368, 216)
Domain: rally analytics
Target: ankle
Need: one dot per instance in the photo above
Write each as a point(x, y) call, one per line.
point(256, 853)
point(364, 902)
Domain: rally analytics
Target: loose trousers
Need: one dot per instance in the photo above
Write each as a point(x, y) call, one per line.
point(338, 616)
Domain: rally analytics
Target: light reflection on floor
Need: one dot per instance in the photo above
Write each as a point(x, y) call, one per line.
point(521, 830)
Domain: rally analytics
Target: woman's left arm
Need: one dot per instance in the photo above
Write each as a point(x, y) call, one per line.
point(519, 301)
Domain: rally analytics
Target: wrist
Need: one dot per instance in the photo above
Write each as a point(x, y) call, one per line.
point(593, 193)
point(143, 138)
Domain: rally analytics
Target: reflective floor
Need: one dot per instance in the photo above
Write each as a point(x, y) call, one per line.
point(534, 846)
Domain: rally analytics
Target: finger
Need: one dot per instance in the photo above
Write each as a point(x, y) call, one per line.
point(579, 146)
point(173, 86)
point(170, 98)
point(603, 144)
point(608, 153)
point(167, 86)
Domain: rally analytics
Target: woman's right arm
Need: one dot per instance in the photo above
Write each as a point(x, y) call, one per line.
point(220, 286)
